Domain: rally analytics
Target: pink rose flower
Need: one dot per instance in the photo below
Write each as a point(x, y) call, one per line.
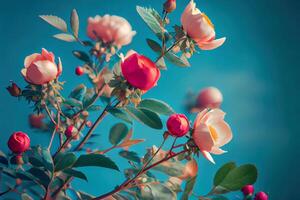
point(248, 190)
point(178, 125)
point(211, 132)
point(110, 29)
point(261, 196)
point(140, 71)
point(18, 142)
point(40, 68)
point(209, 97)
point(199, 27)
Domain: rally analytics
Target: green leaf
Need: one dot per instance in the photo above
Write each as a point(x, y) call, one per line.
point(236, 179)
point(150, 18)
point(55, 21)
point(78, 93)
point(66, 161)
point(89, 97)
point(188, 188)
point(157, 106)
point(42, 177)
point(219, 198)
point(223, 172)
point(154, 45)
point(73, 103)
point(117, 133)
point(75, 22)
point(161, 64)
point(35, 162)
point(3, 159)
point(65, 37)
point(81, 56)
point(25, 196)
point(182, 62)
point(75, 173)
point(119, 113)
point(95, 160)
point(94, 108)
point(145, 116)
point(130, 155)
point(158, 191)
point(86, 196)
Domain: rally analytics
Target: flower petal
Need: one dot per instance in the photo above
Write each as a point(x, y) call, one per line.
point(211, 44)
point(203, 138)
point(217, 150)
point(207, 155)
point(29, 59)
point(223, 131)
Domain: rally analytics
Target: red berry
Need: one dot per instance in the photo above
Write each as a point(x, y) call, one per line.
point(248, 190)
point(69, 131)
point(261, 196)
point(79, 71)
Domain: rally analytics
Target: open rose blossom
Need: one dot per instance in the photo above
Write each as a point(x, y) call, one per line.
point(18, 142)
point(110, 29)
point(178, 125)
point(40, 68)
point(211, 132)
point(140, 71)
point(199, 27)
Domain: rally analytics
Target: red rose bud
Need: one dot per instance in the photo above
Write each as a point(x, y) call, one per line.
point(140, 71)
point(261, 196)
point(178, 125)
point(18, 142)
point(69, 131)
point(14, 90)
point(248, 190)
point(170, 5)
point(79, 71)
point(89, 124)
point(210, 97)
point(36, 120)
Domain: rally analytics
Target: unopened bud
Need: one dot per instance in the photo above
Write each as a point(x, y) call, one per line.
point(170, 5)
point(14, 90)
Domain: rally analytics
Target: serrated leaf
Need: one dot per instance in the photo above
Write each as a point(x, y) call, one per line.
point(223, 172)
point(55, 21)
point(81, 56)
point(117, 133)
point(79, 92)
point(75, 173)
point(75, 22)
point(95, 160)
point(181, 62)
point(157, 106)
point(130, 155)
point(65, 37)
point(65, 161)
point(188, 188)
point(145, 116)
point(119, 113)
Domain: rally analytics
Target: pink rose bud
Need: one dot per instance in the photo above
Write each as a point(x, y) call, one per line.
point(199, 27)
point(14, 90)
point(18, 142)
point(178, 125)
point(69, 131)
point(79, 71)
point(89, 124)
point(248, 190)
point(140, 71)
point(110, 29)
point(209, 97)
point(41, 68)
point(261, 196)
point(36, 120)
point(170, 5)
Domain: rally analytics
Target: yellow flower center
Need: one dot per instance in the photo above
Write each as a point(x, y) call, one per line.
point(213, 133)
point(208, 20)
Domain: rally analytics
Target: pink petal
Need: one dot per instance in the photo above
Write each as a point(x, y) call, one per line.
point(217, 150)
point(199, 117)
point(214, 115)
point(203, 138)
point(29, 59)
point(212, 44)
point(208, 156)
point(47, 55)
point(224, 132)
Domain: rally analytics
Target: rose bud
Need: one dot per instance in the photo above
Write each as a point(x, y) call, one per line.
point(178, 125)
point(190, 170)
point(199, 27)
point(79, 71)
point(140, 71)
point(89, 124)
point(18, 142)
point(170, 5)
point(110, 29)
point(36, 120)
point(211, 132)
point(18, 181)
point(69, 131)
point(248, 190)
point(41, 68)
point(14, 90)
point(19, 160)
point(209, 97)
point(261, 196)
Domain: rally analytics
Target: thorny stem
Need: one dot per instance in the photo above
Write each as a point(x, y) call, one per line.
point(127, 182)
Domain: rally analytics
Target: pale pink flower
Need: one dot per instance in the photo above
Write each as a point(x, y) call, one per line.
point(110, 29)
point(211, 132)
point(41, 68)
point(199, 27)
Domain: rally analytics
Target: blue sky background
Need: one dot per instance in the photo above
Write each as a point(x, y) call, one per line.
point(257, 69)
